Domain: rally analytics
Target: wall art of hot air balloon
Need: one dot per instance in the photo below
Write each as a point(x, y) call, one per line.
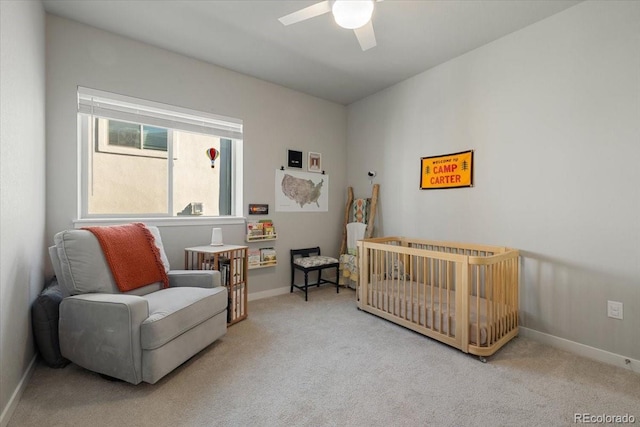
point(213, 155)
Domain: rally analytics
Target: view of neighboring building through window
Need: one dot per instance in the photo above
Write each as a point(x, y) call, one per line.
point(136, 135)
point(137, 168)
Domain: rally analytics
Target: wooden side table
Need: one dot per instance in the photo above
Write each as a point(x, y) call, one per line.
point(231, 261)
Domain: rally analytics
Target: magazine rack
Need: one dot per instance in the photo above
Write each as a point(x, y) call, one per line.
point(257, 232)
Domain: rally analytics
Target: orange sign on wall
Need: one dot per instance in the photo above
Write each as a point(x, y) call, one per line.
point(448, 171)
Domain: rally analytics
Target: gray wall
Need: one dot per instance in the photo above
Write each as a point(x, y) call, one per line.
point(274, 118)
point(22, 189)
point(553, 114)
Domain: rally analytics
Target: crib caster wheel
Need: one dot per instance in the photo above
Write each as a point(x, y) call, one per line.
point(483, 359)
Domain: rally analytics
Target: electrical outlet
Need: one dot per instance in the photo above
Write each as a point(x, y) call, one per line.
point(614, 309)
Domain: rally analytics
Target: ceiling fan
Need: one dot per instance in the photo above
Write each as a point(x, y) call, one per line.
point(350, 14)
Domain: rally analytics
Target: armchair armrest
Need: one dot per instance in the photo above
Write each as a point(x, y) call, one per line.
point(194, 278)
point(101, 332)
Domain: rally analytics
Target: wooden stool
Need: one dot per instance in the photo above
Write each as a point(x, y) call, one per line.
point(310, 259)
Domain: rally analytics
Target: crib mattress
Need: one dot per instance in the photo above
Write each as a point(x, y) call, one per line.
point(430, 307)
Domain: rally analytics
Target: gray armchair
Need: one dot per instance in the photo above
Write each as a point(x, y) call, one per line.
point(140, 335)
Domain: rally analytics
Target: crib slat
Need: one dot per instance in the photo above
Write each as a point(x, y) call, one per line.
point(448, 290)
point(386, 284)
point(409, 282)
point(497, 297)
point(478, 312)
point(488, 288)
point(503, 301)
point(433, 281)
point(424, 288)
point(440, 282)
point(462, 308)
point(377, 271)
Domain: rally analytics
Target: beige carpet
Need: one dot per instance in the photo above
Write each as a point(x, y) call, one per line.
point(324, 363)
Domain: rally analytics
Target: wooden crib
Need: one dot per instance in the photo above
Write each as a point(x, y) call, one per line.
point(464, 295)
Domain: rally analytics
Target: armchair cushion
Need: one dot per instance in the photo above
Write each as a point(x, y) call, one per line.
point(83, 267)
point(174, 311)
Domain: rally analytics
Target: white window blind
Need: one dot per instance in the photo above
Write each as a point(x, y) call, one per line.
point(120, 107)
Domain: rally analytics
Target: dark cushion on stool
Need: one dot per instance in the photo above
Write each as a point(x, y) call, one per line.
point(44, 318)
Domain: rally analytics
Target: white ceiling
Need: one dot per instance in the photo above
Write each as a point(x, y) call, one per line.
point(315, 56)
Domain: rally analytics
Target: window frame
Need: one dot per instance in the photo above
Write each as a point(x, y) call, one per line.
point(87, 145)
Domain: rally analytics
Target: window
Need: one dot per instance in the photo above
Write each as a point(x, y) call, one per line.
point(134, 139)
point(123, 134)
point(145, 159)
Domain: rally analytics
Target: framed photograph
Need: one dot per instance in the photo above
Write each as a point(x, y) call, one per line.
point(294, 159)
point(314, 162)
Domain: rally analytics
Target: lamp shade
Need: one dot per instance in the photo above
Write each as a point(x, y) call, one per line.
point(352, 14)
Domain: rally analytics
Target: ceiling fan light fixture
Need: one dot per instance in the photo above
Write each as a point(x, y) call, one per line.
point(352, 14)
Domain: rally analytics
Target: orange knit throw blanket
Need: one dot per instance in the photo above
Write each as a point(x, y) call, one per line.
point(132, 255)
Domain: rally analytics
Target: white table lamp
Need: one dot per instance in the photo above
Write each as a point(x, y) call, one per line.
point(216, 237)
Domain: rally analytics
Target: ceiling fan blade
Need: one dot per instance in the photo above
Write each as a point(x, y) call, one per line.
point(366, 36)
point(306, 13)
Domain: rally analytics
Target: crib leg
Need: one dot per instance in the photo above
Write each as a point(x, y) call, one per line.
point(482, 359)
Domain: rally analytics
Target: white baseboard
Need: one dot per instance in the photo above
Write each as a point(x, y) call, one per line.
point(270, 293)
point(17, 394)
point(274, 292)
point(583, 350)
